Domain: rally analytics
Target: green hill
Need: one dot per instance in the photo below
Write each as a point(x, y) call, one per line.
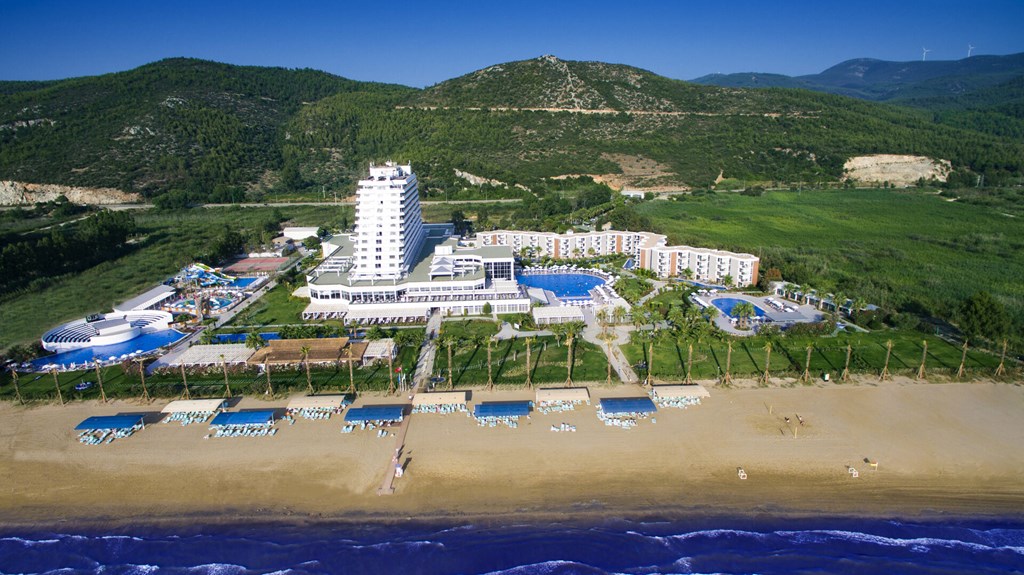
point(215, 130)
point(174, 123)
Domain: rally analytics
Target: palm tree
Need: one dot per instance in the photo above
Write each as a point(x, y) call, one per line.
point(529, 343)
point(689, 362)
point(806, 377)
point(351, 376)
point(254, 339)
point(651, 336)
point(490, 380)
point(99, 380)
point(888, 354)
point(184, 382)
point(608, 352)
point(963, 359)
point(1001, 368)
point(266, 370)
point(846, 368)
point(17, 390)
point(765, 378)
point(727, 280)
point(227, 386)
point(572, 330)
point(142, 377)
point(60, 396)
point(727, 377)
point(304, 350)
point(448, 340)
point(391, 374)
point(743, 312)
point(619, 314)
point(839, 299)
point(924, 356)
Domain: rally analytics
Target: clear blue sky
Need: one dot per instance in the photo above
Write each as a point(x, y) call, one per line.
point(422, 43)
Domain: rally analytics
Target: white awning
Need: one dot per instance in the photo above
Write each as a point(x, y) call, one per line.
point(440, 398)
point(317, 401)
point(194, 405)
point(677, 391)
point(229, 353)
point(563, 394)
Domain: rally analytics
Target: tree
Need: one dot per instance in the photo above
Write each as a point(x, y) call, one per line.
point(983, 316)
point(727, 280)
point(486, 308)
point(449, 340)
point(743, 312)
point(304, 350)
point(254, 339)
point(572, 330)
point(490, 380)
point(227, 386)
point(529, 344)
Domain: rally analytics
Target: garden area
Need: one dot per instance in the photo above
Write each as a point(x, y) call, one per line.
point(788, 355)
point(548, 358)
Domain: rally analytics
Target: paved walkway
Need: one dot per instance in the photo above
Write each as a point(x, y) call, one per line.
point(592, 333)
point(424, 368)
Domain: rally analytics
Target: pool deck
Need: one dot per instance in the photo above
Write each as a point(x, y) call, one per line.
point(804, 313)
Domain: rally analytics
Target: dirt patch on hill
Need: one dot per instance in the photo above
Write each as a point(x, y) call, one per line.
point(638, 173)
point(896, 169)
point(19, 193)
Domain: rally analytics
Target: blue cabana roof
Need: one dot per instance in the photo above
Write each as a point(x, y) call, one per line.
point(374, 413)
point(501, 409)
point(257, 417)
point(616, 405)
point(110, 422)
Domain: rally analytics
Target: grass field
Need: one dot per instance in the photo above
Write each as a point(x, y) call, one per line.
point(508, 358)
point(118, 382)
point(828, 356)
point(894, 248)
point(276, 307)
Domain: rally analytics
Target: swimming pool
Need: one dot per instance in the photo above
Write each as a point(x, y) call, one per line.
point(240, 337)
point(727, 303)
point(567, 285)
point(145, 343)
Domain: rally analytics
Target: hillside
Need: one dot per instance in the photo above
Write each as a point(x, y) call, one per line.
point(216, 130)
point(174, 123)
point(545, 117)
point(881, 80)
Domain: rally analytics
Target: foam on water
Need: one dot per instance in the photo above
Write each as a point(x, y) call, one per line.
point(710, 546)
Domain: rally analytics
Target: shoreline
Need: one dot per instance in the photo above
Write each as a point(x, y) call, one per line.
point(947, 452)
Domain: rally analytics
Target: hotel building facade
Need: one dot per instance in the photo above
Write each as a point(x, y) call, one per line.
point(394, 267)
point(648, 250)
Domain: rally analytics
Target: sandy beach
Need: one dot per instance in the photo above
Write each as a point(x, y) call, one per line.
point(950, 449)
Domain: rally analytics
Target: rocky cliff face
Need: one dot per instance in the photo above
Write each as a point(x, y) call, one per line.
point(15, 193)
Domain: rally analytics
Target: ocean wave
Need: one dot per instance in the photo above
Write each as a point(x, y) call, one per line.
point(550, 568)
point(917, 544)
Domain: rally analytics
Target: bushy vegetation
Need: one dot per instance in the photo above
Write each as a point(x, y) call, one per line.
point(909, 251)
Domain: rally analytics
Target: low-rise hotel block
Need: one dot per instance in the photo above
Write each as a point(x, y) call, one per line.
point(647, 249)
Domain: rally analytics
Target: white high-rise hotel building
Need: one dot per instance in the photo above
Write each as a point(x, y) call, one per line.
point(395, 267)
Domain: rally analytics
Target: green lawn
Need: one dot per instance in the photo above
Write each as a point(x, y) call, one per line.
point(508, 362)
point(894, 248)
point(275, 307)
point(117, 382)
point(828, 356)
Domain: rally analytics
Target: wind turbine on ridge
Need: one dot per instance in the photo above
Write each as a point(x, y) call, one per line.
point(924, 53)
point(970, 49)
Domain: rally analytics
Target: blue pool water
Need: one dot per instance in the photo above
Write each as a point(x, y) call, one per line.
point(563, 285)
point(240, 337)
point(146, 342)
point(241, 283)
point(727, 303)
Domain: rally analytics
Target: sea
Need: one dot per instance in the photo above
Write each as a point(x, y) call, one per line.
point(739, 545)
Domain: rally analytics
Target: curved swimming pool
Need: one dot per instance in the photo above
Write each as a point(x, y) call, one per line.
point(725, 304)
point(145, 343)
point(564, 285)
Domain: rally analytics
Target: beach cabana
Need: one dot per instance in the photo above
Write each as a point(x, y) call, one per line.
point(213, 354)
point(325, 402)
point(562, 394)
point(440, 398)
point(244, 418)
point(627, 405)
point(680, 391)
point(194, 406)
point(321, 351)
point(123, 421)
point(502, 409)
point(375, 413)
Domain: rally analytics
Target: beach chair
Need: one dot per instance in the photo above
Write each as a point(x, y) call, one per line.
point(741, 473)
point(853, 472)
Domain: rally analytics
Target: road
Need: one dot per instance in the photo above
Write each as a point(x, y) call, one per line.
point(121, 207)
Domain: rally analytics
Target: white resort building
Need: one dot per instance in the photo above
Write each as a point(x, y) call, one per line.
point(647, 249)
point(394, 267)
